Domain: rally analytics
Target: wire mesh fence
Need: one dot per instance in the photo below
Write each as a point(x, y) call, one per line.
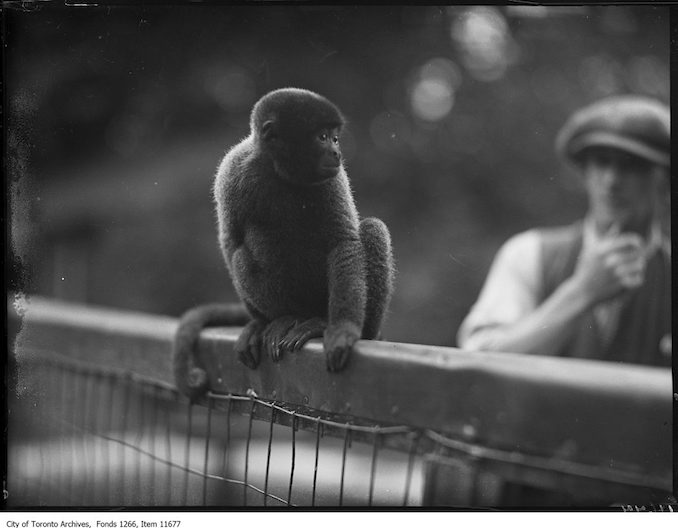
point(83, 433)
point(100, 437)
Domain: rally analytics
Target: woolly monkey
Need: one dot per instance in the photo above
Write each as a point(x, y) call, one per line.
point(301, 260)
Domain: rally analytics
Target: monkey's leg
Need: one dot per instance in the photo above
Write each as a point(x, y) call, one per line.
point(376, 241)
point(274, 333)
point(298, 335)
point(248, 345)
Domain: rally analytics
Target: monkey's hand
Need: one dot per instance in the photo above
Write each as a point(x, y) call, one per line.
point(339, 340)
point(248, 345)
point(300, 334)
point(274, 334)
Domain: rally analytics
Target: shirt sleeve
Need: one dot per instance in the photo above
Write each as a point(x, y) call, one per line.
point(510, 292)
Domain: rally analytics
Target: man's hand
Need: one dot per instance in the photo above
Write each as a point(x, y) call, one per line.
point(611, 267)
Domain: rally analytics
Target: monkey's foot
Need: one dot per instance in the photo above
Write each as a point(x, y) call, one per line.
point(274, 334)
point(248, 345)
point(339, 341)
point(301, 333)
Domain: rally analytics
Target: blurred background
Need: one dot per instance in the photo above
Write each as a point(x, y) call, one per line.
point(117, 118)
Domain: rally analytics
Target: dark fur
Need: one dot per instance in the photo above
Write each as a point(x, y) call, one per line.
point(301, 261)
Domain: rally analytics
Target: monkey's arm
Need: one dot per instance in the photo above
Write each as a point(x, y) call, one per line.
point(231, 200)
point(189, 376)
point(347, 298)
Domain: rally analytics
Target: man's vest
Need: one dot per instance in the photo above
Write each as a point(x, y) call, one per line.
point(644, 325)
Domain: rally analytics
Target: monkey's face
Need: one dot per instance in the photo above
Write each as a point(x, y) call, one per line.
point(328, 153)
point(307, 158)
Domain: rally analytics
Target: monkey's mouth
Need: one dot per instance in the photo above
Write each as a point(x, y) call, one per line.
point(330, 161)
point(330, 168)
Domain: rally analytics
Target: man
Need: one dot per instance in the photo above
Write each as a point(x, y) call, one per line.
point(600, 288)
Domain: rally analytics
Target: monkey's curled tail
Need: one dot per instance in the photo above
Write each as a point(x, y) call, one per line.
point(189, 374)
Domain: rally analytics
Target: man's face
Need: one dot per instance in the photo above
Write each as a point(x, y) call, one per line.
point(623, 189)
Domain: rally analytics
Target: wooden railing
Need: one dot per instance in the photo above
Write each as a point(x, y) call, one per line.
point(585, 427)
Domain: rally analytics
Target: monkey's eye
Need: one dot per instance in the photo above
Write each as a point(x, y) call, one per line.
point(323, 136)
point(335, 140)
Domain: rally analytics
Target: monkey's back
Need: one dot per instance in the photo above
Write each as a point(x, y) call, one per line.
point(276, 237)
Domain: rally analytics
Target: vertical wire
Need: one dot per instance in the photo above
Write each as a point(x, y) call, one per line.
point(126, 387)
point(45, 398)
point(44, 483)
point(66, 469)
point(153, 402)
point(84, 438)
point(41, 475)
point(75, 396)
point(414, 446)
point(210, 403)
point(187, 452)
point(60, 416)
point(56, 416)
point(294, 446)
point(268, 454)
point(92, 438)
point(76, 399)
point(247, 452)
point(473, 496)
point(347, 433)
point(35, 466)
point(432, 474)
point(168, 453)
point(226, 452)
point(106, 447)
point(26, 481)
point(78, 445)
point(375, 448)
point(100, 414)
point(138, 441)
point(317, 453)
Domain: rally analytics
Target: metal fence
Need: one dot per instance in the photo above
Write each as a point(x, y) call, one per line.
point(95, 421)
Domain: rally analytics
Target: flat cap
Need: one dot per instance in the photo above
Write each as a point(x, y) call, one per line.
point(637, 125)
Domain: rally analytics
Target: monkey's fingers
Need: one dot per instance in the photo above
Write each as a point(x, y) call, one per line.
point(338, 347)
point(300, 334)
point(337, 357)
point(274, 334)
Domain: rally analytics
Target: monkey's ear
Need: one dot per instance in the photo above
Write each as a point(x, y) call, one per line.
point(268, 130)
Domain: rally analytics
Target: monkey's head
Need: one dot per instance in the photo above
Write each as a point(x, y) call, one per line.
point(300, 130)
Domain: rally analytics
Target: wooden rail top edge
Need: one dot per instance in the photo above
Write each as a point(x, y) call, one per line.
point(576, 372)
point(586, 411)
